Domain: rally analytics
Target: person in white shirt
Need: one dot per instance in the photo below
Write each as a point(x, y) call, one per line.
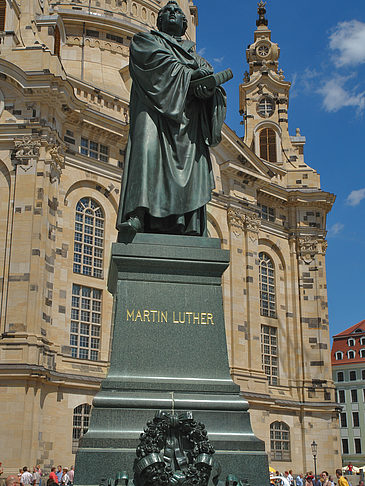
point(26, 478)
point(65, 477)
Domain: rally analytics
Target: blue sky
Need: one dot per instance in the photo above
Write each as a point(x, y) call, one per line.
point(323, 55)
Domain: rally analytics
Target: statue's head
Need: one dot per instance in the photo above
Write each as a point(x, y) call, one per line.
point(171, 19)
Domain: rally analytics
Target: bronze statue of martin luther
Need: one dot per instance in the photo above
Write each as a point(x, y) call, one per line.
point(174, 119)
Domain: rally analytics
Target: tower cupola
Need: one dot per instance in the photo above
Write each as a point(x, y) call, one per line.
point(263, 54)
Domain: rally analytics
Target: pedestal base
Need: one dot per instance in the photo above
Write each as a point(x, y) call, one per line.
point(169, 352)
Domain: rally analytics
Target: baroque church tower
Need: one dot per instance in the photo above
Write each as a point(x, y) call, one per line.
point(64, 119)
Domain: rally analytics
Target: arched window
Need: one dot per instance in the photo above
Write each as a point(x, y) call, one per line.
point(80, 424)
point(2, 14)
point(362, 353)
point(351, 341)
point(89, 238)
point(267, 285)
point(339, 355)
point(268, 145)
point(280, 441)
point(362, 341)
point(85, 329)
point(351, 354)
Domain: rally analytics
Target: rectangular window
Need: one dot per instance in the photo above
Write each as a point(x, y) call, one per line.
point(345, 446)
point(355, 419)
point(94, 150)
point(267, 213)
point(352, 375)
point(340, 376)
point(341, 396)
point(363, 374)
point(363, 392)
point(354, 396)
point(357, 446)
point(343, 418)
point(269, 353)
point(84, 337)
point(115, 38)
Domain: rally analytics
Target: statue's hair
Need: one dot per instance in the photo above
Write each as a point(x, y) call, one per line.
point(185, 22)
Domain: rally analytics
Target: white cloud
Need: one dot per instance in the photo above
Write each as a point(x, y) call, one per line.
point(202, 51)
point(335, 229)
point(348, 40)
point(336, 95)
point(355, 197)
point(218, 60)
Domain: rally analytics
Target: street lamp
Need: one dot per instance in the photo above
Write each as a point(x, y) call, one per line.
point(314, 447)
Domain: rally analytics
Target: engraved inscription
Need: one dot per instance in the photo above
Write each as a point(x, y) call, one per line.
point(174, 317)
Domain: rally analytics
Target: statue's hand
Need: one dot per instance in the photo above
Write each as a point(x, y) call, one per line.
point(201, 73)
point(203, 92)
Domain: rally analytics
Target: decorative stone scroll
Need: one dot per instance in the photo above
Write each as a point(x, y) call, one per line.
point(309, 246)
point(241, 220)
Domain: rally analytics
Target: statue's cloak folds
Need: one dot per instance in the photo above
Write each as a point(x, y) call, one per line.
point(167, 164)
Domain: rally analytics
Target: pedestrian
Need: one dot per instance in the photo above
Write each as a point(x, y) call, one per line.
point(325, 479)
point(53, 479)
point(309, 479)
point(65, 478)
point(317, 481)
point(36, 476)
point(350, 467)
point(71, 474)
point(26, 478)
point(299, 480)
point(290, 477)
point(59, 474)
point(361, 483)
point(1, 468)
point(341, 480)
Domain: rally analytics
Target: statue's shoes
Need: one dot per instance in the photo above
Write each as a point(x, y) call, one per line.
point(132, 224)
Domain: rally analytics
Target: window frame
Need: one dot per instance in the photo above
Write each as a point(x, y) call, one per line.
point(89, 238)
point(357, 445)
point(342, 374)
point(86, 322)
point(270, 353)
point(267, 144)
point(345, 440)
point(82, 414)
point(343, 420)
point(352, 353)
point(278, 431)
point(337, 354)
point(267, 286)
point(352, 375)
point(94, 150)
point(351, 342)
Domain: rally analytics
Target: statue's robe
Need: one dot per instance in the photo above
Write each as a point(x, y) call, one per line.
point(167, 167)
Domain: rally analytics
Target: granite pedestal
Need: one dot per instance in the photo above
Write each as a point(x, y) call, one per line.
point(169, 352)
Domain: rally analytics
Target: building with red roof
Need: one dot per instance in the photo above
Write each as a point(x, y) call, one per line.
point(348, 365)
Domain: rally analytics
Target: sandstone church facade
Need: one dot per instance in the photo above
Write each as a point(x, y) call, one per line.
point(64, 91)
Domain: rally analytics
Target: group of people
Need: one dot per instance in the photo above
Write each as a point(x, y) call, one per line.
point(323, 479)
point(60, 475)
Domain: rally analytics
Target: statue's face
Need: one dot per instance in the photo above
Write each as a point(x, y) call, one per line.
point(172, 20)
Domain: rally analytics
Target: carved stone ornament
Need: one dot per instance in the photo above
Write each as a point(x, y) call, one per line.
point(26, 149)
point(309, 246)
point(240, 219)
point(56, 159)
point(174, 450)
